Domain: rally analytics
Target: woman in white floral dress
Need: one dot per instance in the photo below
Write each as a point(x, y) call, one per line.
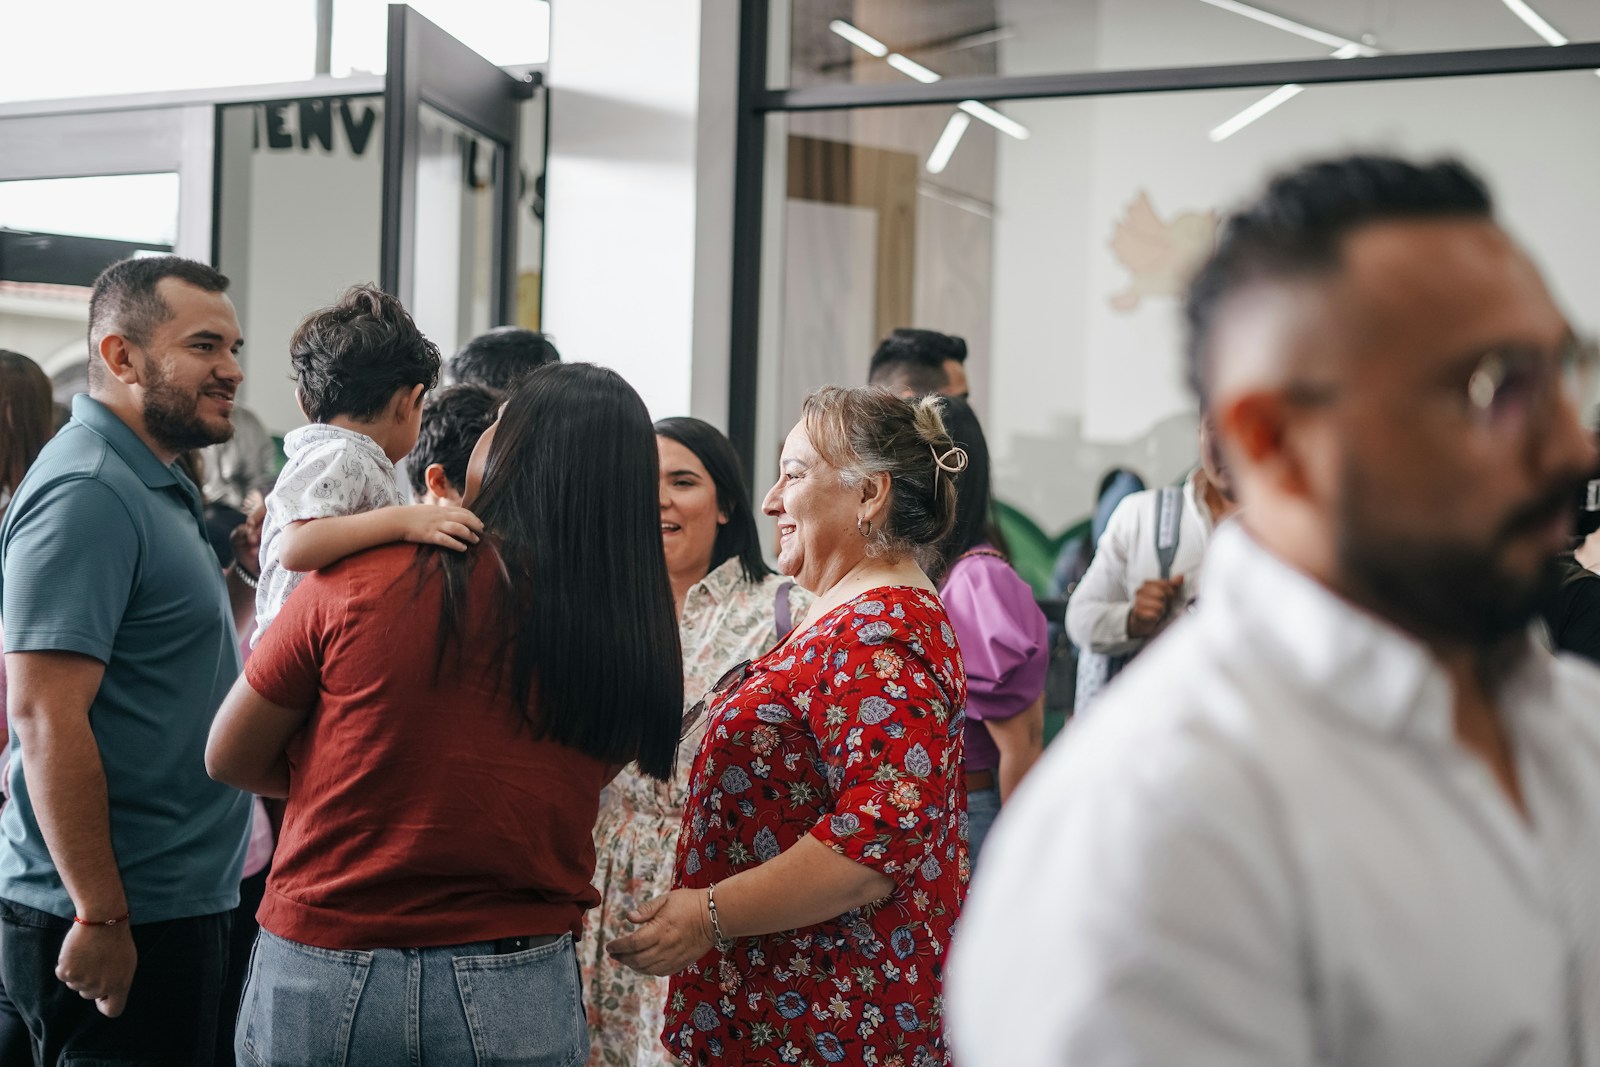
point(731, 608)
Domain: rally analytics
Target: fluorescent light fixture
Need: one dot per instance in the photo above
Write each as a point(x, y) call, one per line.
point(864, 41)
point(1535, 22)
point(1289, 25)
point(1281, 95)
point(985, 113)
point(945, 147)
point(912, 69)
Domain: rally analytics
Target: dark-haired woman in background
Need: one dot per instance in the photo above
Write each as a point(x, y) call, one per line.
point(1003, 638)
point(26, 419)
point(442, 725)
point(27, 422)
point(731, 608)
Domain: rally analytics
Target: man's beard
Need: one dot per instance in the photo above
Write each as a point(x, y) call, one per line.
point(172, 416)
point(1447, 590)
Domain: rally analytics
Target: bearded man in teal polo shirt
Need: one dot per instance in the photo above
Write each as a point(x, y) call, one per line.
point(119, 857)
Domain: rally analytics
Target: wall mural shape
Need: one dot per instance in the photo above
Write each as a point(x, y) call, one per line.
point(1160, 256)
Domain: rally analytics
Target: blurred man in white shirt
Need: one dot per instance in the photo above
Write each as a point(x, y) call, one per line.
point(1346, 812)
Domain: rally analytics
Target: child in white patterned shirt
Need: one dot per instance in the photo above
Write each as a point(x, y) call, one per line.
point(362, 368)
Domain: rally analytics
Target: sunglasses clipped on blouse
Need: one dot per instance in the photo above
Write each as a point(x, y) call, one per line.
point(731, 679)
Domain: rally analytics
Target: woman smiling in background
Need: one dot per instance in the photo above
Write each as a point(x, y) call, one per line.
point(731, 608)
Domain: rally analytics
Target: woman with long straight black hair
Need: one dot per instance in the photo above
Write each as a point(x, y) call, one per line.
point(441, 725)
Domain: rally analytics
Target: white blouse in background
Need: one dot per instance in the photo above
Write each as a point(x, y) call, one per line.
point(1268, 849)
point(1126, 558)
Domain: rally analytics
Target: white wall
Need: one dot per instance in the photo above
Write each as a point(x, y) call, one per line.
point(296, 227)
point(641, 140)
point(49, 331)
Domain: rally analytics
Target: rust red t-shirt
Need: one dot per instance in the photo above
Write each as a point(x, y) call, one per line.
point(421, 810)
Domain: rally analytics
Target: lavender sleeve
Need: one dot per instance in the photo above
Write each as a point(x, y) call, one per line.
point(1002, 636)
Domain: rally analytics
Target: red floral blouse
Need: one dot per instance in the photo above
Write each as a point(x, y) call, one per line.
point(850, 732)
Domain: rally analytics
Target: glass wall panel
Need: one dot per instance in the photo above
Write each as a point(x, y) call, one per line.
point(1060, 257)
point(56, 236)
point(893, 41)
point(530, 214)
point(455, 248)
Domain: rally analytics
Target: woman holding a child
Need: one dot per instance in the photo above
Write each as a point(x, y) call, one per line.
point(441, 724)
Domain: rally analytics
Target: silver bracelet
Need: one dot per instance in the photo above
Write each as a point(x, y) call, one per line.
point(722, 944)
point(251, 580)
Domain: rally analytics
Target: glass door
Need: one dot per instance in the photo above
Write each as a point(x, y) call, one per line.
point(454, 184)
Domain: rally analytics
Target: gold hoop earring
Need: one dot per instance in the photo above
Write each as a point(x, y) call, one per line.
point(868, 531)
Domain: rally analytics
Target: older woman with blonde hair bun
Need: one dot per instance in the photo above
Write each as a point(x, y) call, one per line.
point(821, 863)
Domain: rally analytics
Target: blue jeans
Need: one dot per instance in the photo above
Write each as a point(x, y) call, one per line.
point(983, 807)
point(461, 1004)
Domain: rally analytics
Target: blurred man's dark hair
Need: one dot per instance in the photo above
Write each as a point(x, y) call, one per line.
point(1297, 228)
point(500, 358)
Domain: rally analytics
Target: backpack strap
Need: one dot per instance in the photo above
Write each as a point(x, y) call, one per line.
point(1169, 520)
point(782, 616)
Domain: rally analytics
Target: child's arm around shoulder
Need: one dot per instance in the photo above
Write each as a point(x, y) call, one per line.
point(312, 544)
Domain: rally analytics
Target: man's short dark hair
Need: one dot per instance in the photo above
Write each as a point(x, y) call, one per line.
point(910, 348)
point(1297, 227)
point(351, 358)
point(499, 359)
point(452, 421)
point(914, 360)
point(125, 301)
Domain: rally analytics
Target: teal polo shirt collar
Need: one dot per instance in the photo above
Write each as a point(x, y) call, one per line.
point(107, 425)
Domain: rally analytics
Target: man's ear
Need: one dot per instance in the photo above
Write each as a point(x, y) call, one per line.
point(117, 355)
point(439, 485)
point(1264, 431)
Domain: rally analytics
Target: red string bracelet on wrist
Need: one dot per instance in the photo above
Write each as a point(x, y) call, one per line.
point(118, 921)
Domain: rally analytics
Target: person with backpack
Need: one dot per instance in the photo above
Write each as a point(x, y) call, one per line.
point(1145, 570)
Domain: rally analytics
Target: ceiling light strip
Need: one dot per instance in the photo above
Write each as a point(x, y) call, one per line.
point(912, 69)
point(1276, 97)
point(985, 113)
point(1536, 22)
point(1281, 95)
point(945, 147)
point(862, 40)
point(1289, 25)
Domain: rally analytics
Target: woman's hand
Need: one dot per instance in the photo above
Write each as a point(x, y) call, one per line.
point(674, 931)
